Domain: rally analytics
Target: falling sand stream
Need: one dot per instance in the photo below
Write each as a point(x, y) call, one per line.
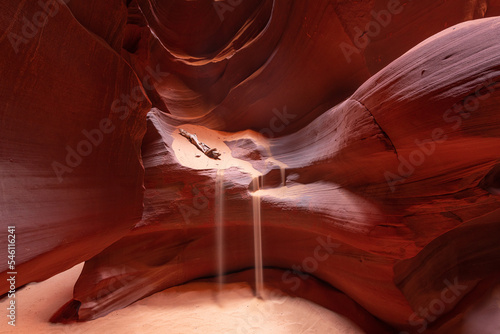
point(257, 240)
point(283, 176)
point(219, 226)
point(219, 233)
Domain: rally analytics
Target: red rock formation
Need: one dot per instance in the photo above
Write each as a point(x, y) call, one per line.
point(70, 158)
point(370, 238)
point(309, 56)
point(389, 173)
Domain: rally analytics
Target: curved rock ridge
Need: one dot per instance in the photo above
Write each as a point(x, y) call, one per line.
point(262, 55)
point(376, 197)
point(376, 166)
point(69, 162)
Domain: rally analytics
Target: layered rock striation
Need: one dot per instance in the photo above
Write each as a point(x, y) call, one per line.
point(371, 144)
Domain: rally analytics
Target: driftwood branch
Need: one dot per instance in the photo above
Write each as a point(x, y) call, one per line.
point(209, 152)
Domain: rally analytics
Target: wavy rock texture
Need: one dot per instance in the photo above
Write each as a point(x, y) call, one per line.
point(380, 247)
point(70, 165)
point(267, 54)
point(376, 174)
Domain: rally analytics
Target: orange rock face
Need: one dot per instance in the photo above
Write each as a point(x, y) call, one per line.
point(368, 133)
point(70, 147)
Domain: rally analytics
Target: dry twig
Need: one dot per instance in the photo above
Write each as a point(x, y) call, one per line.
point(209, 152)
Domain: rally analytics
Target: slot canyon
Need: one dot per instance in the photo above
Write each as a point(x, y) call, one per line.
point(250, 166)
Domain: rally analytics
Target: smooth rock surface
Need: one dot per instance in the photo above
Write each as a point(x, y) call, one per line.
point(337, 216)
point(377, 165)
point(70, 165)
